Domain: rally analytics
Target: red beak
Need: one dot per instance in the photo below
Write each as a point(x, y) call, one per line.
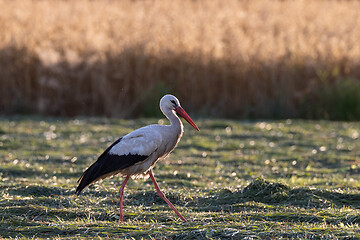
point(179, 110)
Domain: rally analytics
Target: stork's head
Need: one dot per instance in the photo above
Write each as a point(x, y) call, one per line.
point(171, 103)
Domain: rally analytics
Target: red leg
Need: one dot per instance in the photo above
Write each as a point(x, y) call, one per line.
point(162, 195)
point(121, 193)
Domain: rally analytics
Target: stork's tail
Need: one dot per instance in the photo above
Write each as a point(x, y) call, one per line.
point(89, 176)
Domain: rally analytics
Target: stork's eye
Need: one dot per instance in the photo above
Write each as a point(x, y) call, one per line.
point(173, 101)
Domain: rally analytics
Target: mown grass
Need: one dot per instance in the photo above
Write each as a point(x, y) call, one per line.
point(233, 179)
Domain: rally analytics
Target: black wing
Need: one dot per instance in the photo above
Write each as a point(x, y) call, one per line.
point(106, 165)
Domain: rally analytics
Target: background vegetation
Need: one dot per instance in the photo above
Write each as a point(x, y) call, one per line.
point(233, 179)
point(268, 59)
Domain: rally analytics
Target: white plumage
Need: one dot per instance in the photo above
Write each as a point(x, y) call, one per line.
point(143, 141)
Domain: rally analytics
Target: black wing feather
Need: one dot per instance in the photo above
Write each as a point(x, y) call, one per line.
point(105, 165)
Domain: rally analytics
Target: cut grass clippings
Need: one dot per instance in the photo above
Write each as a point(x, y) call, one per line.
point(233, 179)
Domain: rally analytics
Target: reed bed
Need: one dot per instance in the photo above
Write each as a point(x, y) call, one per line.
point(236, 59)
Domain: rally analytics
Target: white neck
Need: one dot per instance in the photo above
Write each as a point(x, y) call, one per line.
point(175, 121)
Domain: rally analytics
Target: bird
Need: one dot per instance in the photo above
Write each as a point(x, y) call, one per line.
point(137, 152)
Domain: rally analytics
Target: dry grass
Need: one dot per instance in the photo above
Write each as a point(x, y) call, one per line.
point(243, 58)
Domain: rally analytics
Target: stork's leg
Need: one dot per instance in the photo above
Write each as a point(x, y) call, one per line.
point(121, 193)
point(162, 195)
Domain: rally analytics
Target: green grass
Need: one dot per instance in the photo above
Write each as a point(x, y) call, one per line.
point(233, 179)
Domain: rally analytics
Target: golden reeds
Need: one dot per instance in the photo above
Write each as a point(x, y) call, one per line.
point(228, 58)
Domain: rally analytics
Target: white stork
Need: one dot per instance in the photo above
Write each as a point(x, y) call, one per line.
point(137, 152)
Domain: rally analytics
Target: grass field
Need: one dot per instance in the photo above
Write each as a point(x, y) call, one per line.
point(233, 179)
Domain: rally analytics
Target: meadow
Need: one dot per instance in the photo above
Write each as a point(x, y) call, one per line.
point(290, 179)
point(97, 70)
point(242, 59)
